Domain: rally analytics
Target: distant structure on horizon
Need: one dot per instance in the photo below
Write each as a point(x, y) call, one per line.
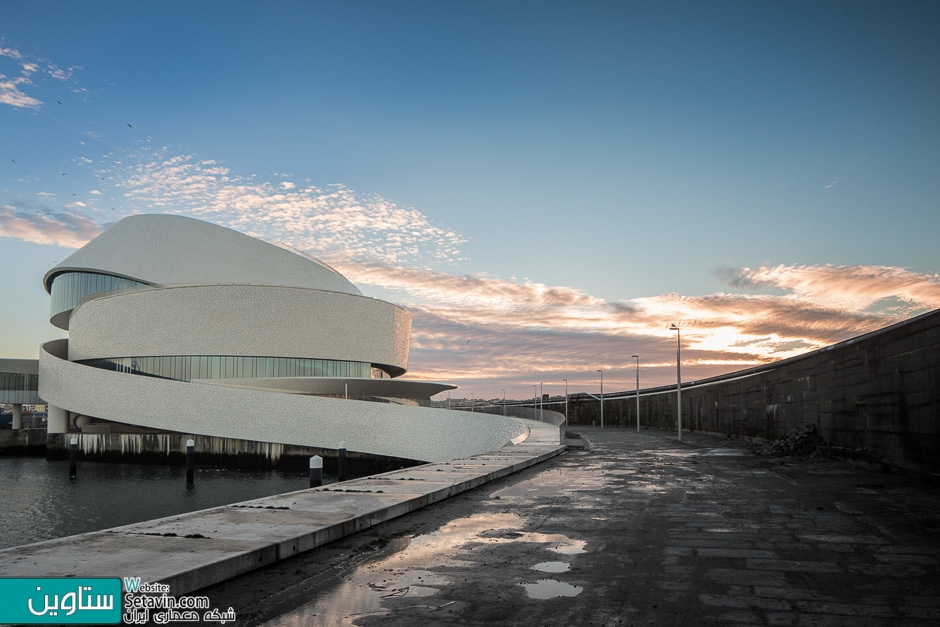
point(177, 325)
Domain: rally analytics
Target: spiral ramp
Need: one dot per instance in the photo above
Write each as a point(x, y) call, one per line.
point(182, 326)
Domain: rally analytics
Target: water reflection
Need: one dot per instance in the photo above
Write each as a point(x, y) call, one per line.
point(552, 567)
point(550, 588)
point(406, 573)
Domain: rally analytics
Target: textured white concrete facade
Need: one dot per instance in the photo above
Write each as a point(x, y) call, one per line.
point(248, 414)
point(212, 293)
point(257, 320)
point(172, 250)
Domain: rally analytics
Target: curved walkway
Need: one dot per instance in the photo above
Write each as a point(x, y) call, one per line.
point(207, 409)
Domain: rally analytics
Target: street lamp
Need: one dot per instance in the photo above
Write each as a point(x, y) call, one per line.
point(471, 402)
point(541, 402)
point(602, 398)
point(566, 401)
point(637, 357)
point(504, 400)
point(535, 398)
point(678, 378)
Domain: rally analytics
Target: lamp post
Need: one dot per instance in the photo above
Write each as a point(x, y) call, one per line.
point(566, 401)
point(637, 357)
point(471, 402)
point(504, 400)
point(541, 402)
point(535, 400)
point(678, 378)
point(602, 398)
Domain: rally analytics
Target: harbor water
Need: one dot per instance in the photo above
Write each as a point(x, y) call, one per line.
point(40, 502)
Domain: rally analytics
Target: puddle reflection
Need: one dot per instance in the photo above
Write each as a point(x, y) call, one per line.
point(404, 574)
point(552, 567)
point(550, 588)
point(555, 542)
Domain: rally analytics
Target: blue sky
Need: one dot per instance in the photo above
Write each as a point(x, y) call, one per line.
point(555, 182)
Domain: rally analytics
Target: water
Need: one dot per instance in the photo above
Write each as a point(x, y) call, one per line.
point(551, 588)
point(552, 567)
point(39, 502)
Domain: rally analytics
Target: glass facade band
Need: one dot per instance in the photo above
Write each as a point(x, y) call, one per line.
point(69, 288)
point(17, 387)
point(189, 367)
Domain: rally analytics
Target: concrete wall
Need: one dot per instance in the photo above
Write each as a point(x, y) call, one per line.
point(23, 441)
point(244, 320)
point(170, 449)
point(879, 393)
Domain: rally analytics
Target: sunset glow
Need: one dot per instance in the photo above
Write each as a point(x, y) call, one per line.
point(546, 197)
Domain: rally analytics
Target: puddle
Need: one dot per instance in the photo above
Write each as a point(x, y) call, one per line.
point(404, 574)
point(555, 542)
point(550, 588)
point(552, 567)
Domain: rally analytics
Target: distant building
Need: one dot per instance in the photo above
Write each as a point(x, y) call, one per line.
point(19, 386)
point(179, 325)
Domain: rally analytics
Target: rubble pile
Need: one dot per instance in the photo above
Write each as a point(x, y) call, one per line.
point(800, 442)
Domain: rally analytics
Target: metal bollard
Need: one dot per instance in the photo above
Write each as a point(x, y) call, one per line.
point(190, 461)
point(73, 458)
point(342, 461)
point(316, 471)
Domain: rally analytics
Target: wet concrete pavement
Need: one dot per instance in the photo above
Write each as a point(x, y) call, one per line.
point(643, 530)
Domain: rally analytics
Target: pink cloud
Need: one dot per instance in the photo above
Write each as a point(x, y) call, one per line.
point(490, 333)
point(67, 230)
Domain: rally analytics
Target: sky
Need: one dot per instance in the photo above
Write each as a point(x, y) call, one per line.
point(546, 186)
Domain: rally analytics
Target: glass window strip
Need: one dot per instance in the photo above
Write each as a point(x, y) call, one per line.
point(189, 367)
point(69, 288)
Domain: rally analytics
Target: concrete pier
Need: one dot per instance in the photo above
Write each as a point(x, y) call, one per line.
point(195, 550)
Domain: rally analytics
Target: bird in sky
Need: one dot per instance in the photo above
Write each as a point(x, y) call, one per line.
point(59, 101)
point(13, 160)
point(129, 125)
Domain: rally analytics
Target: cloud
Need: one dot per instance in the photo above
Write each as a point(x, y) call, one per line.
point(11, 94)
point(322, 221)
point(11, 89)
point(492, 333)
point(53, 228)
point(527, 327)
point(850, 288)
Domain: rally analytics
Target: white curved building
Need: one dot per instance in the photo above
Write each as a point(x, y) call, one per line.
point(183, 326)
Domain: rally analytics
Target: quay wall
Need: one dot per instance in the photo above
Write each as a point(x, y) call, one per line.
point(23, 442)
point(875, 397)
point(170, 448)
